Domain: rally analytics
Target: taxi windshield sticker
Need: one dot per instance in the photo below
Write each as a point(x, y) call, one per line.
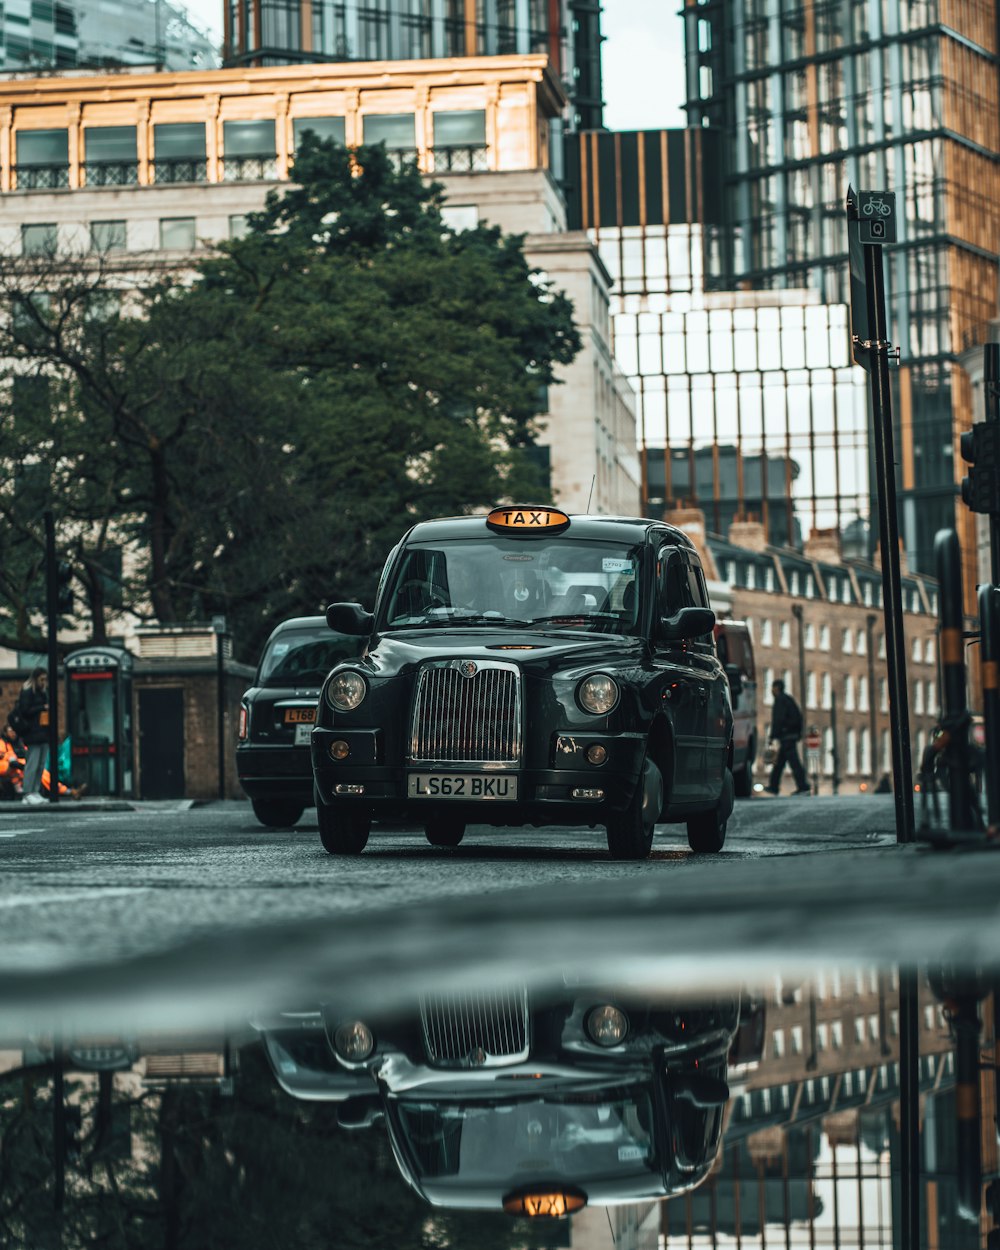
point(522, 519)
point(611, 564)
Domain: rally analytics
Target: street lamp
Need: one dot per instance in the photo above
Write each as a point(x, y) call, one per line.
point(219, 629)
point(797, 613)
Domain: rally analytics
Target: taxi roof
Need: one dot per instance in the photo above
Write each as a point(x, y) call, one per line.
point(604, 528)
point(298, 622)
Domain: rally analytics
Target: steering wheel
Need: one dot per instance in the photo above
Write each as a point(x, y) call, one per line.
point(432, 596)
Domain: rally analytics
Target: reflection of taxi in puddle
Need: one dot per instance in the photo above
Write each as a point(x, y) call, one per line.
point(277, 715)
point(537, 1103)
point(530, 668)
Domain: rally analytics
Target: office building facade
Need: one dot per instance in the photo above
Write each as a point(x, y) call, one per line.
point(899, 95)
point(276, 32)
point(749, 406)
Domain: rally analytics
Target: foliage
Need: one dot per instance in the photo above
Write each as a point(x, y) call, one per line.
point(260, 435)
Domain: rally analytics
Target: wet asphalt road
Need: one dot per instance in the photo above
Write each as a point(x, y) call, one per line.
point(150, 904)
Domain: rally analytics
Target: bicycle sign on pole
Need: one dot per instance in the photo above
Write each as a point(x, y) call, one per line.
point(877, 216)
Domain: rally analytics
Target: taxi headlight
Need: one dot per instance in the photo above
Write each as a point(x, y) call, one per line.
point(607, 1026)
point(354, 1042)
point(346, 691)
point(597, 694)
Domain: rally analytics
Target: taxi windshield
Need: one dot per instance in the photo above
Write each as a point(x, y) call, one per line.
point(592, 1135)
point(303, 657)
point(559, 583)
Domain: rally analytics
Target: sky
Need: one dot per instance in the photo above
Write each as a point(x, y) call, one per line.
point(643, 60)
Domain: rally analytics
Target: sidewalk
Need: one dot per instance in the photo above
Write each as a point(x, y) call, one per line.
point(69, 806)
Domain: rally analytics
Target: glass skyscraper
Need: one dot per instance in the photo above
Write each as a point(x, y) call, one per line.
point(809, 96)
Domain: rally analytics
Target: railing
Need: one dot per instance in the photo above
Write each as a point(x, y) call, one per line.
point(399, 158)
point(110, 173)
point(249, 168)
point(456, 159)
point(180, 169)
point(40, 177)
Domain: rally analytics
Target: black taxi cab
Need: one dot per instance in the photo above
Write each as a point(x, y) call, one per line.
point(530, 668)
point(534, 1100)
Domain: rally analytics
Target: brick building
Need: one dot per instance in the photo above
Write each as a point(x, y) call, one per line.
point(817, 624)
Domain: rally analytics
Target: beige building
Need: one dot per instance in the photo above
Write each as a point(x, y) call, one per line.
point(156, 167)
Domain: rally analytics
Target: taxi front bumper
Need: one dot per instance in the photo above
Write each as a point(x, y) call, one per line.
point(544, 795)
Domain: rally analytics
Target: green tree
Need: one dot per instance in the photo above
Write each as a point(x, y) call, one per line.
point(261, 435)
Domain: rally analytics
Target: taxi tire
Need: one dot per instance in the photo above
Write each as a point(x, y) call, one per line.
point(277, 813)
point(630, 833)
point(743, 777)
point(445, 831)
point(342, 833)
point(707, 832)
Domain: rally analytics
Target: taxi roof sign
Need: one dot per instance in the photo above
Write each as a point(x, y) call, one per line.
point(519, 518)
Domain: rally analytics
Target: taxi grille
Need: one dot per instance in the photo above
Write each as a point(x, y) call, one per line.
point(478, 1029)
point(467, 720)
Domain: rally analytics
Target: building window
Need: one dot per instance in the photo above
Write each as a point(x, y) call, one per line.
point(787, 679)
point(177, 234)
point(873, 1028)
point(845, 591)
point(396, 130)
point(796, 1032)
point(810, 586)
point(929, 651)
point(928, 1017)
point(917, 651)
point(822, 1037)
point(869, 597)
point(931, 698)
point(767, 632)
point(837, 1034)
point(769, 579)
point(849, 693)
point(828, 752)
point(859, 1029)
point(39, 239)
point(321, 127)
point(459, 217)
point(918, 698)
point(751, 577)
point(179, 152)
point(768, 683)
point(238, 227)
point(885, 751)
point(824, 638)
point(793, 585)
point(110, 156)
point(847, 641)
point(852, 753)
point(862, 643)
point(42, 158)
point(866, 751)
point(248, 151)
point(883, 695)
point(811, 690)
point(827, 695)
point(460, 142)
point(784, 635)
point(881, 646)
point(107, 236)
point(778, 1043)
point(862, 694)
point(810, 637)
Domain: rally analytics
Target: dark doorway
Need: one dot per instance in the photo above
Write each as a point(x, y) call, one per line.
point(161, 743)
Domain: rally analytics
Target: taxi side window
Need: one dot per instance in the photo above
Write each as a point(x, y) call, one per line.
point(697, 588)
point(672, 592)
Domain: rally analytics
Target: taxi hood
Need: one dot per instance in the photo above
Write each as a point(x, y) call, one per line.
point(537, 653)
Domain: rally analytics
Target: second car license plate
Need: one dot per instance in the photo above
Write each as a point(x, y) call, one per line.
point(302, 735)
point(461, 786)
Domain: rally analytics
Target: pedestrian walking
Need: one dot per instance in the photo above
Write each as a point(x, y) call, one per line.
point(32, 711)
point(786, 730)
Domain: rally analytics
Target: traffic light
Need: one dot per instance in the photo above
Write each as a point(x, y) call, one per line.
point(64, 590)
point(980, 446)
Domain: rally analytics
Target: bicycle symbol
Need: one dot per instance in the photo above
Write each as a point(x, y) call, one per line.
point(878, 205)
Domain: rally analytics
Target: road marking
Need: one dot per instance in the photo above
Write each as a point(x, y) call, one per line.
point(20, 833)
point(69, 896)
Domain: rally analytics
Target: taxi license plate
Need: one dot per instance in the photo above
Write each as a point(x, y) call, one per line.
point(474, 786)
point(302, 735)
point(300, 715)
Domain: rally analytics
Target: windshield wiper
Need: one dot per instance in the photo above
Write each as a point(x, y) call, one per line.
point(577, 616)
point(471, 618)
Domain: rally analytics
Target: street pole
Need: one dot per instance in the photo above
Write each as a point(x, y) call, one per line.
point(991, 398)
point(52, 627)
point(872, 711)
point(833, 730)
point(219, 626)
point(909, 1106)
point(871, 349)
point(797, 613)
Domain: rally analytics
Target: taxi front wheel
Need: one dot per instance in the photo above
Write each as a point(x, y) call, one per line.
point(630, 834)
point(707, 832)
point(444, 831)
point(342, 833)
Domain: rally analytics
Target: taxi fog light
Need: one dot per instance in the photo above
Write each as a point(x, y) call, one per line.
point(339, 749)
point(352, 789)
point(354, 1041)
point(346, 691)
point(597, 694)
point(607, 1026)
point(596, 753)
point(582, 792)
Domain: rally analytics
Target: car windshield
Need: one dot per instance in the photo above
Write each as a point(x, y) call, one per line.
point(592, 1135)
point(303, 657)
point(559, 583)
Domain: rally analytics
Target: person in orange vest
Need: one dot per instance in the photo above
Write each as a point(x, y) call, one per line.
point(74, 792)
point(11, 765)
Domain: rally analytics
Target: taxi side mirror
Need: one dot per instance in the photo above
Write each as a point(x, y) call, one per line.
point(687, 623)
point(349, 618)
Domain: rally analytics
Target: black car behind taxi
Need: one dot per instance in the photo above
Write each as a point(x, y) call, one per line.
point(277, 715)
point(530, 667)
